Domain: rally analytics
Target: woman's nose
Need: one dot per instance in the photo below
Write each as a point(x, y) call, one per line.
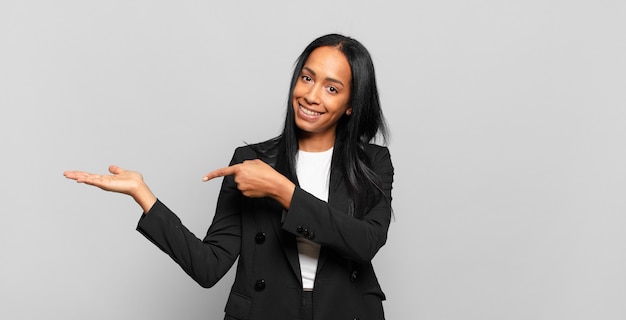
point(312, 96)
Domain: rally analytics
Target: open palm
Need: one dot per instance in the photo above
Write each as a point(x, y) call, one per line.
point(120, 180)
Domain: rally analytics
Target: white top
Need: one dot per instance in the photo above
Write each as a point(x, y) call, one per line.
point(313, 170)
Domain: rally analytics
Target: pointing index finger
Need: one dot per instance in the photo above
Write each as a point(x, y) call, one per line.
point(227, 171)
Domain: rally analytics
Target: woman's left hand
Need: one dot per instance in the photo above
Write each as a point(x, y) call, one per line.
point(256, 179)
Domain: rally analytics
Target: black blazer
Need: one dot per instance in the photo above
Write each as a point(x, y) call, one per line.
point(262, 234)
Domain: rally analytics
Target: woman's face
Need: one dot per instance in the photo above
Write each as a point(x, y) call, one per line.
point(321, 95)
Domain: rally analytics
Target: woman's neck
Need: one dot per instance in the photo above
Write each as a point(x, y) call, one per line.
point(313, 143)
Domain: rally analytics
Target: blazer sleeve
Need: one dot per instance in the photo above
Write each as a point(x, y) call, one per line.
point(207, 260)
point(330, 226)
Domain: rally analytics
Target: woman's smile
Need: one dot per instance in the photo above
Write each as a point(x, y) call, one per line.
point(309, 112)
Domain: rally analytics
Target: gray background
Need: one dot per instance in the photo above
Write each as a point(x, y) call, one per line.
point(508, 122)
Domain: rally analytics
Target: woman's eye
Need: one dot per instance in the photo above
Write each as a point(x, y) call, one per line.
point(306, 78)
point(332, 89)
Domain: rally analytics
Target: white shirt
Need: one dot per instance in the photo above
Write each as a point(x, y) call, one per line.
point(313, 170)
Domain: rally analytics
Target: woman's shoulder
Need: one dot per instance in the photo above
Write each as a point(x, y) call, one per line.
point(256, 150)
point(379, 157)
point(374, 149)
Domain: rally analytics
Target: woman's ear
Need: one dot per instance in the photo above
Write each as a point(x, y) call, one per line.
point(349, 111)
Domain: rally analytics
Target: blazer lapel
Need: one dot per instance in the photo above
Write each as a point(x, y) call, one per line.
point(337, 198)
point(288, 240)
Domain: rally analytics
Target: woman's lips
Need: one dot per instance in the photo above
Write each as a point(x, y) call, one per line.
point(309, 112)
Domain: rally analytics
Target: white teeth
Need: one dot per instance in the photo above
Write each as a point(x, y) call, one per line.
point(309, 112)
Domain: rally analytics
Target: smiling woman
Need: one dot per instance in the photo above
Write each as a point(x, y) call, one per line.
point(321, 98)
point(305, 212)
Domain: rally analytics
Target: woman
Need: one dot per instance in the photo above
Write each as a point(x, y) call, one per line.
point(305, 212)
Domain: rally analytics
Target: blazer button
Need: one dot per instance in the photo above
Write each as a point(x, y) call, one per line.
point(259, 238)
point(259, 285)
point(299, 229)
point(311, 235)
point(354, 275)
point(305, 233)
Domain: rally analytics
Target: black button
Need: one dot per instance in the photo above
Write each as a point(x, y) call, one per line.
point(259, 285)
point(311, 235)
point(260, 238)
point(354, 275)
point(306, 233)
point(300, 229)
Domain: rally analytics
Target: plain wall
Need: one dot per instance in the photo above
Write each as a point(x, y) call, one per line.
point(508, 123)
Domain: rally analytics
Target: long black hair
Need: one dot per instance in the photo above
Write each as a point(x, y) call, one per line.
point(354, 132)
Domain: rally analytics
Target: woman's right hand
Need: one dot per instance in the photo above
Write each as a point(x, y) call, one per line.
point(121, 181)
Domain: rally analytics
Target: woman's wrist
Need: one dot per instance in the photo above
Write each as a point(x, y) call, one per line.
point(144, 197)
point(284, 192)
